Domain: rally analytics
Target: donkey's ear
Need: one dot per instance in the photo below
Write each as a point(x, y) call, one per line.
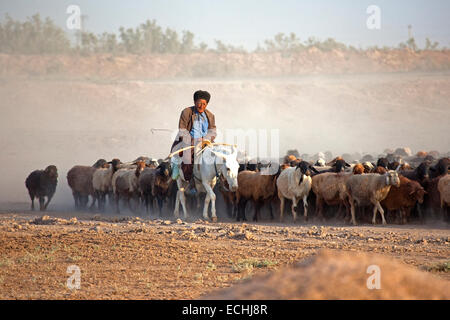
point(233, 150)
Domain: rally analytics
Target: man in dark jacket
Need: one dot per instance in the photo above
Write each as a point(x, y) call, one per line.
point(196, 124)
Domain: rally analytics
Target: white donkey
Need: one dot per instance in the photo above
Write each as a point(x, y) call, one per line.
point(209, 164)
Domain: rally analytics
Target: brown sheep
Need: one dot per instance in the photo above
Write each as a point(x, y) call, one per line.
point(256, 186)
point(380, 170)
point(421, 154)
point(79, 179)
point(358, 169)
point(329, 188)
point(229, 197)
point(404, 197)
point(41, 184)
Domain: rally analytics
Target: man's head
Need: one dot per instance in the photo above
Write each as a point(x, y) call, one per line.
point(201, 100)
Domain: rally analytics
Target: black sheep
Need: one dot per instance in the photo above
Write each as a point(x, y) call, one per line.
point(41, 184)
point(441, 168)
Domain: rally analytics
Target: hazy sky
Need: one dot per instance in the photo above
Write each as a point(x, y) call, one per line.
point(247, 22)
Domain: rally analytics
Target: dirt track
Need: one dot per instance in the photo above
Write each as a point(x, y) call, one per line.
point(136, 258)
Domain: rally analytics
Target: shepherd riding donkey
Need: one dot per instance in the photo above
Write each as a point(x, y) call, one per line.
point(201, 160)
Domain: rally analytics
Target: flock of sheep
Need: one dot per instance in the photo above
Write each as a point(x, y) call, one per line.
point(396, 182)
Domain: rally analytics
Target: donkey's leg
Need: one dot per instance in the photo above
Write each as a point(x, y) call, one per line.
point(183, 203)
point(210, 197)
point(176, 211)
point(281, 206)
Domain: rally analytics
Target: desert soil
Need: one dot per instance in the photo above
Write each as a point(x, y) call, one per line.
point(124, 257)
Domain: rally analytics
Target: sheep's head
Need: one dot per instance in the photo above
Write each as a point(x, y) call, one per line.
point(332, 162)
point(100, 163)
point(392, 178)
point(140, 166)
point(320, 162)
point(340, 165)
point(380, 170)
point(405, 166)
point(368, 166)
point(383, 162)
point(358, 169)
point(115, 164)
point(393, 165)
point(51, 171)
point(423, 170)
point(164, 169)
point(304, 169)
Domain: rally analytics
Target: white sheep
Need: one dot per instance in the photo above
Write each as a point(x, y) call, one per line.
point(370, 188)
point(294, 183)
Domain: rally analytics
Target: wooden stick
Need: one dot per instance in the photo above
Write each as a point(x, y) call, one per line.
point(178, 151)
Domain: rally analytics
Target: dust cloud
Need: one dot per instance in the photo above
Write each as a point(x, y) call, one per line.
point(69, 122)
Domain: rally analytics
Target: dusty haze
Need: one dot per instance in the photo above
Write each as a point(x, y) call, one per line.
point(62, 121)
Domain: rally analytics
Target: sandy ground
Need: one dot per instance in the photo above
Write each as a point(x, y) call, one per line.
point(125, 257)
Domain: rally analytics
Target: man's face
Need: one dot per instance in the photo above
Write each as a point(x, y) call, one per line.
point(201, 104)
